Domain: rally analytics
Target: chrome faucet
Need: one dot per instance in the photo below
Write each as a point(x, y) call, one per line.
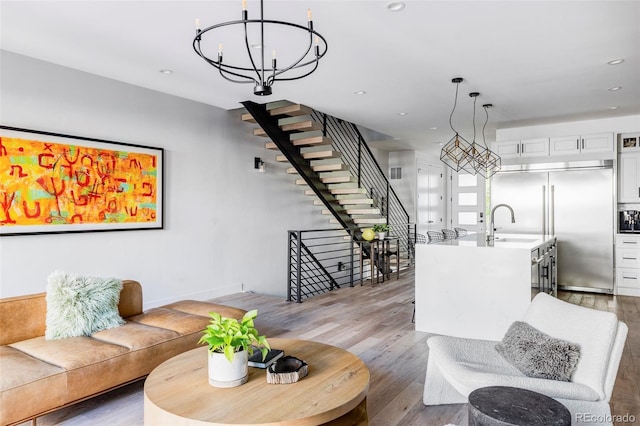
point(492, 228)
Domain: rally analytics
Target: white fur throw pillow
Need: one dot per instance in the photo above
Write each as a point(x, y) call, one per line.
point(537, 354)
point(80, 305)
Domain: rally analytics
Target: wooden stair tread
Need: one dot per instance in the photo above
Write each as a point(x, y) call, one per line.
point(314, 140)
point(368, 201)
point(321, 154)
point(247, 117)
point(357, 211)
point(272, 146)
point(344, 191)
point(303, 125)
point(330, 167)
point(291, 109)
point(339, 179)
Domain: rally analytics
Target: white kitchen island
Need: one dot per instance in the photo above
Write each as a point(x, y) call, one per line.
point(469, 288)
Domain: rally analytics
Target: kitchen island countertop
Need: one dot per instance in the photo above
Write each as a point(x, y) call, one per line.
point(506, 241)
point(467, 287)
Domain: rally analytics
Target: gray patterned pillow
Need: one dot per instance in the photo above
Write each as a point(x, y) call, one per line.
point(538, 355)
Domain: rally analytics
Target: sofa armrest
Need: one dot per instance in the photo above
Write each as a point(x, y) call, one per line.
point(22, 317)
point(130, 299)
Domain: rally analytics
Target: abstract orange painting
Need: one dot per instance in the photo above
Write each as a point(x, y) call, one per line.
point(61, 183)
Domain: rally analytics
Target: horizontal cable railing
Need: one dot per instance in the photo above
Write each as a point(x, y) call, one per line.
point(320, 260)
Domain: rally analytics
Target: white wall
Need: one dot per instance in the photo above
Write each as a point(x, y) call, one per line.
point(405, 188)
point(225, 223)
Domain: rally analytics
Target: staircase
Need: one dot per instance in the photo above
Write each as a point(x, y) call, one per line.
point(335, 166)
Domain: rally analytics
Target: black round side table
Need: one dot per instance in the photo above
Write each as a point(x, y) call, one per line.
point(503, 405)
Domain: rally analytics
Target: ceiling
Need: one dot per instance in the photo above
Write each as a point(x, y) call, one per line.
point(537, 62)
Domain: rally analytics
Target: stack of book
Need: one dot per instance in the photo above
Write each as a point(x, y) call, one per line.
point(256, 360)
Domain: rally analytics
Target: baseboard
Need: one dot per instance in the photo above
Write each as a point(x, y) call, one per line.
point(201, 295)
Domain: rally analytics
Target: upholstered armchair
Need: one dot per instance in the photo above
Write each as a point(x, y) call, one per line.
point(457, 366)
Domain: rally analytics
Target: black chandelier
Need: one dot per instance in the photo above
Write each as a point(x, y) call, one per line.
point(258, 73)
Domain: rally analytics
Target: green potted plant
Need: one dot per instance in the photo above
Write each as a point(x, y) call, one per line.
point(381, 229)
point(231, 343)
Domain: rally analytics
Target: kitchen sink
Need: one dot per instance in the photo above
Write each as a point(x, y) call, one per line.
point(515, 239)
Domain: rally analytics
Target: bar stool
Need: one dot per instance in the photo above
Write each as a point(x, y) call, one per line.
point(435, 236)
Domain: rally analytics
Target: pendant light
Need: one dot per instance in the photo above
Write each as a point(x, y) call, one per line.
point(456, 152)
point(491, 162)
point(476, 151)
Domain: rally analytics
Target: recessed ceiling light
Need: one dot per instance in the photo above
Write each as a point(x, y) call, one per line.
point(613, 89)
point(402, 114)
point(433, 128)
point(395, 6)
point(614, 107)
point(165, 71)
point(360, 92)
point(615, 61)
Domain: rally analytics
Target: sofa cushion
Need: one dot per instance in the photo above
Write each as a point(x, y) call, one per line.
point(69, 353)
point(469, 364)
point(26, 382)
point(170, 319)
point(135, 336)
point(197, 307)
point(538, 355)
point(594, 331)
point(79, 305)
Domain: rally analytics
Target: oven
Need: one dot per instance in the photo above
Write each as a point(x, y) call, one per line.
point(628, 221)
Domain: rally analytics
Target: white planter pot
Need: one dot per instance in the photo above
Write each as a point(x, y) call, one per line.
point(225, 374)
point(381, 235)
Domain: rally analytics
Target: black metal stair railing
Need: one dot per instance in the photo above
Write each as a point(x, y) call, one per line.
point(319, 260)
point(347, 139)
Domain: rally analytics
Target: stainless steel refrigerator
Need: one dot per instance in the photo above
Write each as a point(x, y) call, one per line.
point(575, 202)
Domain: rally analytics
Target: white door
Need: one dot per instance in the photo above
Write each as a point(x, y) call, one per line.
point(467, 202)
point(430, 198)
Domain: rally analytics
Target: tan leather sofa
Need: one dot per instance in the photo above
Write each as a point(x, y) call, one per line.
point(39, 376)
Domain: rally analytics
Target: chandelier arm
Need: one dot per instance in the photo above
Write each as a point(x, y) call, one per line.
point(223, 69)
point(246, 42)
point(300, 76)
point(247, 79)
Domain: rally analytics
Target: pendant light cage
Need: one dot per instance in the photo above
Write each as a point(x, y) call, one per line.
point(491, 162)
point(262, 73)
point(456, 153)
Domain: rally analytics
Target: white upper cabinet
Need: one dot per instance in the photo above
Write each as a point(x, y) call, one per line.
point(581, 144)
point(522, 148)
point(629, 177)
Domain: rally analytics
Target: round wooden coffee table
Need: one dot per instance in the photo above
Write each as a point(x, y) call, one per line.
point(335, 390)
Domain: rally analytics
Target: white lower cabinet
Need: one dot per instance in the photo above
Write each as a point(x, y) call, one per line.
point(628, 265)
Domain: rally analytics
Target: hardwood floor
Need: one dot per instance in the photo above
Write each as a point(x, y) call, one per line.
point(375, 324)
